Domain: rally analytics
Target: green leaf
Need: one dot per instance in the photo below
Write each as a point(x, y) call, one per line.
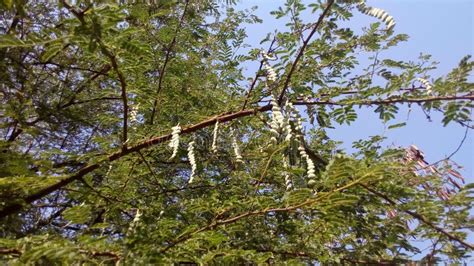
point(78, 214)
point(298, 196)
point(397, 125)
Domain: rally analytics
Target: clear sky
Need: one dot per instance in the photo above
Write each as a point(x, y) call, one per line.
point(441, 28)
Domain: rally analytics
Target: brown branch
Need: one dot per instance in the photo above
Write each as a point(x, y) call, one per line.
point(459, 146)
point(257, 75)
point(387, 101)
point(420, 218)
point(299, 254)
point(16, 207)
point(70, 67)
point(15, 132)
point(15, 21)
point(267, 165)
point(10, 251)
point(102, 71)
point(302, 49)
point(113, 255)
point(123, 87)
point(17, 252)
point(165, 63)
point(79, 14)
point(214, 223)
point(105, 98)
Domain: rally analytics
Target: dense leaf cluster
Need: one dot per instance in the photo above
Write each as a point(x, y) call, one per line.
point(90, 94)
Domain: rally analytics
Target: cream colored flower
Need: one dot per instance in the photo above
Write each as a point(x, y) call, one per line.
point(174, 143)
point(214, 137)
point(427, 85)
point(192, 160)
point(235, 146)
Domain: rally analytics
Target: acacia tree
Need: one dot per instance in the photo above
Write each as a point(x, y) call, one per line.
point(131, 134)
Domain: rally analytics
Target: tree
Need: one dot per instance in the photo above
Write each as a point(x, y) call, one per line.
point(132, 135)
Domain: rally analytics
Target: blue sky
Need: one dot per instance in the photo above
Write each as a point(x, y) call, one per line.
point(441, 28)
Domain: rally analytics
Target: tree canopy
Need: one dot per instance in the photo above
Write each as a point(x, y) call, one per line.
point(132, 134)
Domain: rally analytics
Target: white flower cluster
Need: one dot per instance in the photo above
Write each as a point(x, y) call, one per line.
point(135, 221)
point(138, 214)
point(299, 132)
point(288, 182)
point(235, 146)
point(309, 162)
point(134, 113)
point(296, 117)
point(109, 170)
point(192, 160)
point(271, 74)
point(214, 137)
point(278, 121)
point(377, 13)
point(174, 143)
point(426, 84)
point(310, 110)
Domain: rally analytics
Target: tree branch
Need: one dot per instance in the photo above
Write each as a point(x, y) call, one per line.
point(16, 207)
point(165, 63)
point(103, 71)
point(257, 75)
point(302, 49)
point(420, 218)
point(387, 101)
point(123, 86)
point(216, 222)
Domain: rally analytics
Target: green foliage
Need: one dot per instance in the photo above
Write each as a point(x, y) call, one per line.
point(75, 189)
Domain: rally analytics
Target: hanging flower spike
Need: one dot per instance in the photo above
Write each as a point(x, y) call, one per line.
point(377, 13)
point(271, 74)
point(138, 214)
point(109, 170)
point(310, 110)
point(192, 160)
point(135, 220)
point(134, 113)
point(278, 120)
point(288, 130)
point(286, 126)
point(297, 119)
point(288, 182)
point(214, 137)
point(427, 85)
point(238, 156)
point(174, 143)
point(311, 169)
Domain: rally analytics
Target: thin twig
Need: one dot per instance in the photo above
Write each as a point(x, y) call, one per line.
point(460, 144)
point(302, 49)
point(229, 116)
point(387, 101)
point(233, 219)
point(165, 63)
point(262, 176)
point(257, 75)
point(420, 218)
